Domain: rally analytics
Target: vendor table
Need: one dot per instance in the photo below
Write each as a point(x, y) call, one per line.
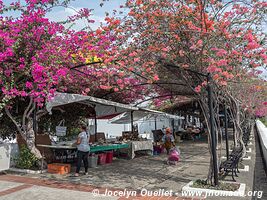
point(64, 150)
point(92, 148)
point(140, 146)
point(56, 146)
point(108, 147)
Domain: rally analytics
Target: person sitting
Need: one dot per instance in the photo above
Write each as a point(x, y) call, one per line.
point(195, 133)
point(168, 140)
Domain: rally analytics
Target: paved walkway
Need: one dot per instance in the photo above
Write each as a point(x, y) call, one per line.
point(144, 172)
point(149, 172)
point(24, 188)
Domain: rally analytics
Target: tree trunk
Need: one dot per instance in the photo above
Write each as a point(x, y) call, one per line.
point(26, 131)
point(205, 112)
point(233, 117)
point(30, 140)
point(237, 124)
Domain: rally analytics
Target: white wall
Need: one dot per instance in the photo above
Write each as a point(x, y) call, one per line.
point(262, 132)
point(5, 154)
point(149, 125)
point(113, 130)
point(144, 126)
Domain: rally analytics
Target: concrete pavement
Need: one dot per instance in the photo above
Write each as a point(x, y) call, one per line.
point(149, 172)
point(25, 188)
point(27, 192)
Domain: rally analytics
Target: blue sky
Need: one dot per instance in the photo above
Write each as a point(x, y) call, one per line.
point(98, 13)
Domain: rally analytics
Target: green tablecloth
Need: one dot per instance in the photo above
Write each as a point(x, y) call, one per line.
point(108, 147)
point(93, 149)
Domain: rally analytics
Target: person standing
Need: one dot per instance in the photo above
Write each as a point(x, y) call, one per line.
point(168, 140)
point(83, 150)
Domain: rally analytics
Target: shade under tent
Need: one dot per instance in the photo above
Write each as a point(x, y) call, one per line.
point(142, 113)
point(125, 118)
point(102, 107)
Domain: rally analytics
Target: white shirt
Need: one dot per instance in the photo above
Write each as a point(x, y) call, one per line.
point(83, 146)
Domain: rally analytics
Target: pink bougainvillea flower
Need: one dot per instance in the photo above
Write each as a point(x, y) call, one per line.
point(29, 85)
point(156, 78)
point(198, 89)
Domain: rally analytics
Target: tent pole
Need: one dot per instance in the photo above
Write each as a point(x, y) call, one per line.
point(155, 122)
point(132, 126)
point(95, 128)
point(173, 128)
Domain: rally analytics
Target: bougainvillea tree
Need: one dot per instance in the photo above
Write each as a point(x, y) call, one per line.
point(172, 40)
point(157, 44)
point(39, 56)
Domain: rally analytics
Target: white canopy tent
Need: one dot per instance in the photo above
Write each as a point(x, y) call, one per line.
point(144, 117)
point(141, 113)
point(102, 107)
point(159, 113)
point(105, 107)
point(126, 118)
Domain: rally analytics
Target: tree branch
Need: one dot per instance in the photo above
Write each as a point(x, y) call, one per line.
point(13, 120)
point(25, 114)
point(31, 110)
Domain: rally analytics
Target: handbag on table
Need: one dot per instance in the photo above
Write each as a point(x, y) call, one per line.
point(61, 129)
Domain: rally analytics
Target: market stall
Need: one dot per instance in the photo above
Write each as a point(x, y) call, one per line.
point(65, 151)
point(130, 142)
point(102, 107)
point(137, 144)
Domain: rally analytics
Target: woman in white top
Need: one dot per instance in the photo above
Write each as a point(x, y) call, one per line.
point(83, 150)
